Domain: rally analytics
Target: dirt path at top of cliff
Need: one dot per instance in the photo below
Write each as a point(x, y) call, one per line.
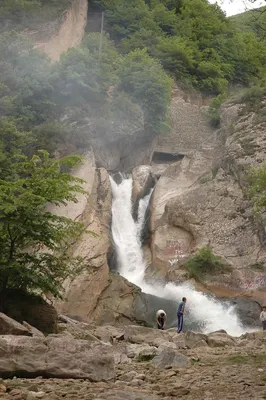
point(71, 31)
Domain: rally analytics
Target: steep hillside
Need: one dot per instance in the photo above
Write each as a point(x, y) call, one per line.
point(251, 21)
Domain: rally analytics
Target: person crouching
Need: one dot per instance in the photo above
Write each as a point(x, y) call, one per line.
point(161, 319)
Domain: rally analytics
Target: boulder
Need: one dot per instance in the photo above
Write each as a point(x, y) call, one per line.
point(33, 309)
point(219, 339)
point(108, 333)
point(142, 351)
point(194, 340)
point(79, 359)
point(34, 331)
point(152, 337)
point(9, 326)
point(23, 355)
point(56, 357)
point(170, 358)
point(79, 331)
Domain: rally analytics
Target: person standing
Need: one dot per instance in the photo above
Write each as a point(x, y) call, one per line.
point(263, 317)
point(180, 314)
point(161, 319)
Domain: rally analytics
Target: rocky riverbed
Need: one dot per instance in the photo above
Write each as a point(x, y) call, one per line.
point(134, 363)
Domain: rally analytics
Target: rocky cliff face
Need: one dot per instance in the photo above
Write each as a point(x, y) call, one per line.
point(198, 200)
point(201, 201)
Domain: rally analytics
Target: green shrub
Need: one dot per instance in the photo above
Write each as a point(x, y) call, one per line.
point(256, 180)
point(251, 98)
point(205, 263)
point(214, 110)
point(145, 357)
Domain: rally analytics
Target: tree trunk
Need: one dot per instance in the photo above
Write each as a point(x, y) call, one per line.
point(3, 294)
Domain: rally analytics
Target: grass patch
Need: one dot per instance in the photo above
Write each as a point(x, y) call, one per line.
point(205, 263)
point(239, 359)
point(145, 357)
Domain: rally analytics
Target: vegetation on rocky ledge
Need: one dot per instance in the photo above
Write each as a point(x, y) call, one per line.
point(204, 263)
point(257, 187)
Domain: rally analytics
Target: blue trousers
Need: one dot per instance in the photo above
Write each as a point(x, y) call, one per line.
point(179, 322)
point(264, 325)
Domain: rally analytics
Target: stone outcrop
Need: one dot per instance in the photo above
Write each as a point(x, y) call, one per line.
point(143, 181)
point(57, 357)
point(82, 294)
point(9, 326)
point(171, 243)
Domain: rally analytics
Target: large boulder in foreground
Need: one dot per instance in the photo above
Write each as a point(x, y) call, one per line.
point(9, 326)
point(55, 357)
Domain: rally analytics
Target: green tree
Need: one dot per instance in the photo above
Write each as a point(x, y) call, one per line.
point(145, 80)
point(34, 242)
point(177, 55)
point(12, 144)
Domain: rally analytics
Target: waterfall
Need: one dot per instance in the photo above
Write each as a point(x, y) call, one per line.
point(206, 311)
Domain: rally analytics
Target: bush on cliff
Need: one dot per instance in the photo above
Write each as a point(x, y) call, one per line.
point(205, 263)
point(257, 187)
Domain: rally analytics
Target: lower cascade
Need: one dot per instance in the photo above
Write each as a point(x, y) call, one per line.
point(203, 310)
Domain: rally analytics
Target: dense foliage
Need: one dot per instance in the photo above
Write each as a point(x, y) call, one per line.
point(193, 40)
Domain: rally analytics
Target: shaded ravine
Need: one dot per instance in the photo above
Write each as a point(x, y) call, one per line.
point(204, 311)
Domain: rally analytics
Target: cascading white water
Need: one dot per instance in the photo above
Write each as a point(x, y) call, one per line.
point(126, 232)
point(209, 313)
